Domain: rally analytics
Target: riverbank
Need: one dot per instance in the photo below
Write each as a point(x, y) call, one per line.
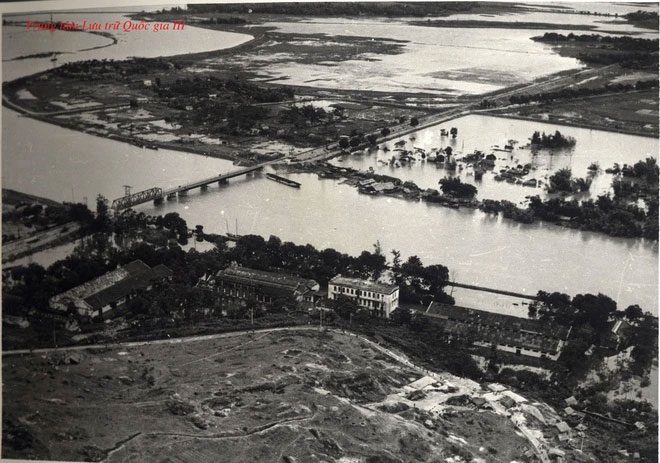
point(14, 197)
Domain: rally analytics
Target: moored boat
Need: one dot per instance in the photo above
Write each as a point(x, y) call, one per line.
point(282, 180)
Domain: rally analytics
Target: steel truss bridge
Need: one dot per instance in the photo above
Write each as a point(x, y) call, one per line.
point(157, 195)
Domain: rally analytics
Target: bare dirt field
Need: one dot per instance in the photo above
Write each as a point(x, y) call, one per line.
point(287, 396)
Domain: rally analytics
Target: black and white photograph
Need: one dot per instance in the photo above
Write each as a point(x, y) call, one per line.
point(330, 232)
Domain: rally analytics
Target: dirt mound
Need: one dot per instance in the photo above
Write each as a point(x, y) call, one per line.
point(64, 358)
point(361, 386)
point(22, 442)
point(394, 407)
point(178, 406)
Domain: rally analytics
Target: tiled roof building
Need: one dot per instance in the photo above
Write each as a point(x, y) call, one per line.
point(514, 334)
point(100, 295)
point(242, 283)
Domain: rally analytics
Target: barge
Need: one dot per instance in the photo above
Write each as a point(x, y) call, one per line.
point(282, 180)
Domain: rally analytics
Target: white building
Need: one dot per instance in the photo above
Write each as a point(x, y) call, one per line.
point(373, 296)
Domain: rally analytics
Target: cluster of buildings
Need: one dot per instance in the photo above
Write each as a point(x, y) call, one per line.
point(240, 283)
point(105, 295)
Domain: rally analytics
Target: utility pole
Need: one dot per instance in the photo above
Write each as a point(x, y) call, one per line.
point(321, 319)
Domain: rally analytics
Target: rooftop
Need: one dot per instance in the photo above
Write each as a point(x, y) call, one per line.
point(134, 281)
point(364, 285)
point(252, 276)
point(497, 320)
point(110, 287)
point(498, 329)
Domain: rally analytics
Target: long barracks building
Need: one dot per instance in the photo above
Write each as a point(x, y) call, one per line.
point(241, 283)
point(521, 336)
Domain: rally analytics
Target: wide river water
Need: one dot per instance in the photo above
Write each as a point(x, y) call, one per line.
point(58, 163)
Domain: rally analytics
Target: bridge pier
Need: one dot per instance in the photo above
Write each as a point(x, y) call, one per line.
point(204, 187)
point(222, 182)
point(171, 196)
point(158, 201)
point(183, 193)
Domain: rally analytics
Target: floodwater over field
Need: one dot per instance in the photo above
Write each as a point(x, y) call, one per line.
point(484, 133)
point(76, 46)
point(478, 248)
point(435, 60)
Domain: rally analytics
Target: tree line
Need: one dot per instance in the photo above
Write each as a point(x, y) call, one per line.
point(592, 318)
point(602, 215)
point(400, 9)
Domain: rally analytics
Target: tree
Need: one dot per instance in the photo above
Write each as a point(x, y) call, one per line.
point(553, 307)
point(396, 267)
point(372, 264)
point(414, 121)
point(594, 310)
point(413, 271)
point(633, 312)
point(402, 315)
point(561, 180)
point(436, 277)
point(102, 221)
point(344, 143)
point(283, 304)
point(344, 306)
point(454, 187)
point(385, 131)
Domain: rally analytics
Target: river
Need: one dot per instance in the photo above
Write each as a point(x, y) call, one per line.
point(58, 163)
point(76, 46)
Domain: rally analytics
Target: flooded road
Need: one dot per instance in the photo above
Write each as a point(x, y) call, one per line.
point(484, 133)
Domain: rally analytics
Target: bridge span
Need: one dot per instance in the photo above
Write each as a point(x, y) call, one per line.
point(157, 195)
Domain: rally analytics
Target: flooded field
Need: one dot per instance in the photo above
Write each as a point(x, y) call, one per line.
point(489, 135)
point(429, 62)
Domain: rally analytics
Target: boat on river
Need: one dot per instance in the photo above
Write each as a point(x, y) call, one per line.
point(282, 180)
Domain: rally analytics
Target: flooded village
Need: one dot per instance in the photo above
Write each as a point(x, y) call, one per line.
point(365, 232)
